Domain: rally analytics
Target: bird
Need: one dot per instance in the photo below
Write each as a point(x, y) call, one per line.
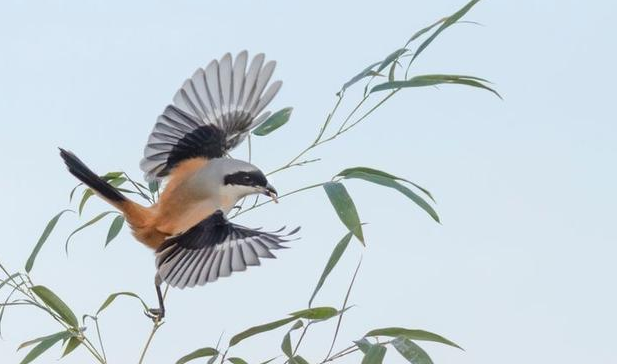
point(188, 153)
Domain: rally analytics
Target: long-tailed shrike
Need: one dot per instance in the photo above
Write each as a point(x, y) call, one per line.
point(188, 228)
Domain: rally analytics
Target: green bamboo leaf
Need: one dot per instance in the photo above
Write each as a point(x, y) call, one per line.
point(338, 251)
point(391, 73)
point(399, 187)
point(259, 329)
point(274, 122)
point(368, 71)
point(269, 360)
point(298, 360)
point(411, 351)
point(93, 221)
point(444, 25)
point(199, 353)
point(111, 175)
point(374, 355)
point(363, 344)
point(25, 344)
point(44, 345)
point(316, 313)
point(286, 344)
point(392, 57)
point(423, 31)
point(73, 191)
point(113, 296)
point(348, 171)
point(235, 360)
point(114, 229)
point(85, 197)
point(432, 80)
point(411, 335)
point(46, 232)
point(55, 303)
point(70, 346)
point(345, 208)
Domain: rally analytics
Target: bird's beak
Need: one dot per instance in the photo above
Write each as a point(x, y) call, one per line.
point(271, 191)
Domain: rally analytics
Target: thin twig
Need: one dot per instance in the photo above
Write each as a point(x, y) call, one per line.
point(157, 324)
point(340, 318)
point(279, 197)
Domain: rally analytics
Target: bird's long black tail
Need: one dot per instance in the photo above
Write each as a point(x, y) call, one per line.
point(85, 174)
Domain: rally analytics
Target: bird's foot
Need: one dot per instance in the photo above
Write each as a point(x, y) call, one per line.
point(156, 314)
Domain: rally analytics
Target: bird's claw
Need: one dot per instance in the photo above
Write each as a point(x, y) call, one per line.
point(156, 314)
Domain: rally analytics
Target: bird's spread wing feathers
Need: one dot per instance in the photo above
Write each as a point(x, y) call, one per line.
point(214, 248)
point(211, 114)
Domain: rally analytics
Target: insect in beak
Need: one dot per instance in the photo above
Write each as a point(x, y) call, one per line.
point(271, 191)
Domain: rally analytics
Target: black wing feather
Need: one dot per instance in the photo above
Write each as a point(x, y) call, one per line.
point(214, 248)
point(212, 113)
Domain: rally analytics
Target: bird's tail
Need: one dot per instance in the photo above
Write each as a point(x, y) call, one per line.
point(134, 213)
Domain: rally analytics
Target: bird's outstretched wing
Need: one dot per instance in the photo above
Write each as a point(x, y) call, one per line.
point(211, 114)
point(214, 248)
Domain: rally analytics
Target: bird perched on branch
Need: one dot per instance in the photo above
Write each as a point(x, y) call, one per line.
point(211, 114)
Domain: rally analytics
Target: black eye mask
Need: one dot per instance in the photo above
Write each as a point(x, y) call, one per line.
point(253, 178)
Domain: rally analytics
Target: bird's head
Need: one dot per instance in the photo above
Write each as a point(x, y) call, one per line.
point(240, 179)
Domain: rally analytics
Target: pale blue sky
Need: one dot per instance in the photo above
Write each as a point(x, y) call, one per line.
point(522, 268)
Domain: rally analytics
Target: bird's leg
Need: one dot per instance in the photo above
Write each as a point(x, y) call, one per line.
point(157, 314)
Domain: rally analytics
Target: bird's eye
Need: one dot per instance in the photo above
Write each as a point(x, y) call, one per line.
point(246, 178)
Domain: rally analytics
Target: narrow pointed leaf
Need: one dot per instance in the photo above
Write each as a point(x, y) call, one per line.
point(113, 296)
point(374, 355)
point(298, 360)
point(70, 346)
point(44, 345)
point(432, 80)
point(338, 251)
point(392, 57)
point(236, 360)
point(274, 122)
point(316, 313)
point(85, 197)
point(363, 344)
point(269, 360)
point(411, 335)
point(111, 175)
point(73, 191)
point(199, 353)
point(444, 25)
point(39, 339)
point(384, 181)
point(411, 351)
point(259, 329)
point(46, 232)
point(114, 229)
point(286, 345)
point(367, 170)
point(56, 304)
point(365, 73)
point(344, 207)
point(93, 221)
point(423, 31)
